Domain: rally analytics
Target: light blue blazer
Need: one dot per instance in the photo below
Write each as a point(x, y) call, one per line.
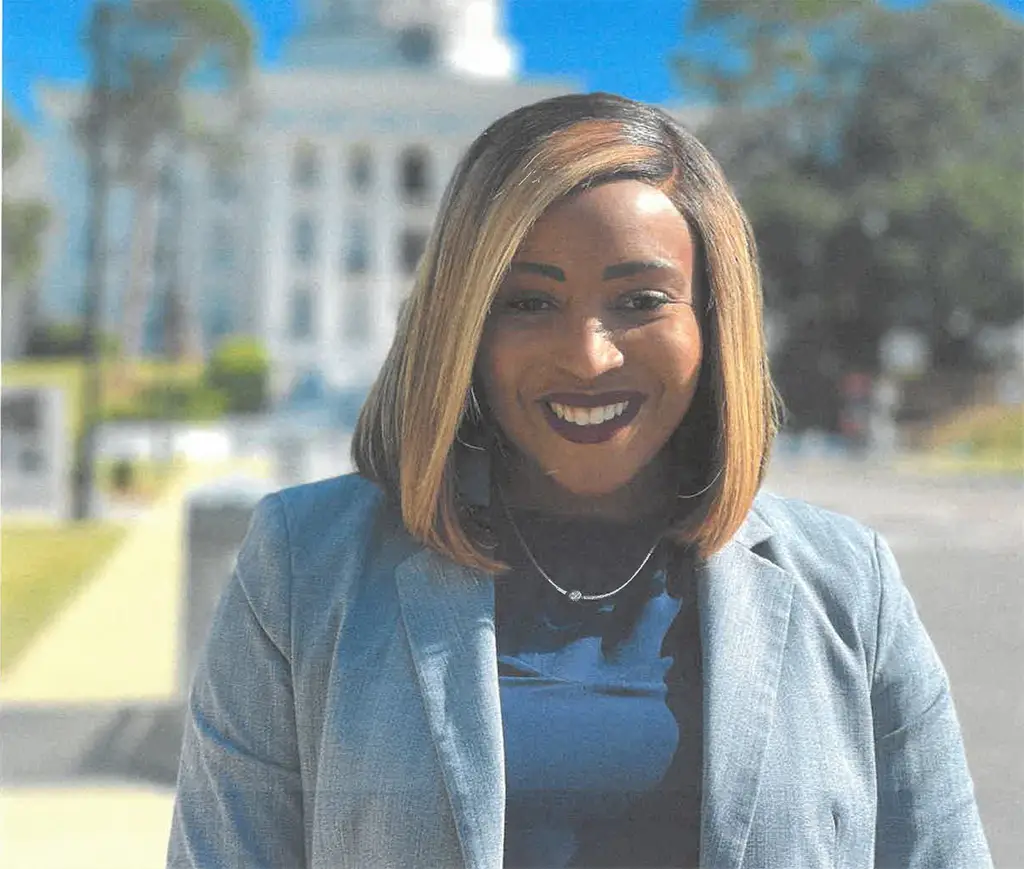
point(346, 712)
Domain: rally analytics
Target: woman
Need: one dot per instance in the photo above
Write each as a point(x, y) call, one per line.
point(551, 622)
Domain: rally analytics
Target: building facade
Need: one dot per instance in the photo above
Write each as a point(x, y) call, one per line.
point(309, 238)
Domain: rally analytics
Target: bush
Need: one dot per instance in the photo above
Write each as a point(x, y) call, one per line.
point(65, 340)
point(240, 370)
point(173, 401)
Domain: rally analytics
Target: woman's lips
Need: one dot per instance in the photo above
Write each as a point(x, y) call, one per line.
point(574, 405)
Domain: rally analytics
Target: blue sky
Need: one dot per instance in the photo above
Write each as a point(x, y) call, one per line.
point(616, 45)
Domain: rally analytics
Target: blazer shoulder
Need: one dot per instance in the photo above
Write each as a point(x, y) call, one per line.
point(327, 522)
point(311, 504)
point(798, 521)
point(839, 560)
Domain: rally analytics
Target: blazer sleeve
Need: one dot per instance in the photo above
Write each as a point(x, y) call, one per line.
point(927, 815)
point(239, 793)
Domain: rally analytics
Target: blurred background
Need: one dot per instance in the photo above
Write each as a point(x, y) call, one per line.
point(212, 210)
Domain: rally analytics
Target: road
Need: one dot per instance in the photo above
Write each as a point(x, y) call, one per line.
point(960, 545)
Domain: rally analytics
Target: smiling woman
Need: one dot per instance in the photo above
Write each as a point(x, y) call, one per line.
point(552, 621)
point(684, 249)
point(593, 339)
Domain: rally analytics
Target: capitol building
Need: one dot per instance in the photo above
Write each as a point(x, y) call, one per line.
point(310, 239)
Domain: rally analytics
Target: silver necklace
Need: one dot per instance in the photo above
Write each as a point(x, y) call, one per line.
point(575, 595)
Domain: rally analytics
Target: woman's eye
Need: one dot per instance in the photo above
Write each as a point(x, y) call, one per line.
point(529, 304)
point(644, 301)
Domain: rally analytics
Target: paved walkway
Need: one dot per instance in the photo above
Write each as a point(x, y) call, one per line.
point(118, 639)
point(84, 828)
point(116, 642)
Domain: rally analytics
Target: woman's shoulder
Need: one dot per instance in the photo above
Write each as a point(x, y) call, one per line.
point(331, 504)
point(330, 523)
point(797, 522)
point(832, 555)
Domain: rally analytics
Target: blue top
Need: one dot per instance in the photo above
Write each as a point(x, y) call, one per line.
point(601, 701)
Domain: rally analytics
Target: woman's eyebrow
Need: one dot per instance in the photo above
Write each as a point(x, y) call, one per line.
point(553, 272)
point(635, 267)
point(613, 272)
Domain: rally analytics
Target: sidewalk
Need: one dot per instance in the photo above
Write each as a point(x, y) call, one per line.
point(84, 828)
point(117, 642)
point(118, 639)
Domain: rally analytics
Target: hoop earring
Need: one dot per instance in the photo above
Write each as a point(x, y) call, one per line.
point(700, 492)
point(469, 446)
point(474, 415)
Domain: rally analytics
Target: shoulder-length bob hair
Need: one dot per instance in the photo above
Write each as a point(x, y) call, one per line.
point(405, 439)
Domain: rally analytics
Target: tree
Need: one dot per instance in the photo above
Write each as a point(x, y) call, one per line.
point(25, 220)
point(878, 155)
point(162, 49)
point(144, 55)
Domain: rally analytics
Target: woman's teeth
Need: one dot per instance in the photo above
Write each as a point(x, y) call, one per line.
point(587, 415)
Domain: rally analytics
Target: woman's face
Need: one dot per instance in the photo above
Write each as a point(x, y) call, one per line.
point(592, 349)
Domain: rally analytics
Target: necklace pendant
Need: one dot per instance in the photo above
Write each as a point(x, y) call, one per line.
point(575, 595)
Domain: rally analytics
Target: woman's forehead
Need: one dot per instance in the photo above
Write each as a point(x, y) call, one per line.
point(618, 215)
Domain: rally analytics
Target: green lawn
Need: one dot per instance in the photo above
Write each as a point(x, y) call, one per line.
point(41, 569)
point(986, 438)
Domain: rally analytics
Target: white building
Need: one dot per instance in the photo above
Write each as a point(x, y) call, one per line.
point(311, 239)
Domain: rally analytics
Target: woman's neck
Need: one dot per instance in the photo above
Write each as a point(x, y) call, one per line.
point(649, 495)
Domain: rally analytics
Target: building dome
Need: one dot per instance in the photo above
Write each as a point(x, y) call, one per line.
point(463, 37)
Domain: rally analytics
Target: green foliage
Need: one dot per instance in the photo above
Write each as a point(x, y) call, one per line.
point(24, 220)
point(220, 23)
point(165, 44)
point(878, 155)
point(24, 223)
point(235, 381)
point(187, 402)
point(990, 430)
point(240, 370)
point(160, 54)
point(13, 142)
point(766, 47)
point(65, 341)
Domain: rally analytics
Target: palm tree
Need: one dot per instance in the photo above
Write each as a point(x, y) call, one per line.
point(25, 219)
point(145, 54)
point(164, 50)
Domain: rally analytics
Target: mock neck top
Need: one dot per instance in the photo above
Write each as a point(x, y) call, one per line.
point(601, 700)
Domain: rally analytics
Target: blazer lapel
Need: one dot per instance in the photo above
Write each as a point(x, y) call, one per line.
point(745, 602)
point(449, 616)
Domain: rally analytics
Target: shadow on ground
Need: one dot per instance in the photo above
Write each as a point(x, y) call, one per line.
point(56, 744)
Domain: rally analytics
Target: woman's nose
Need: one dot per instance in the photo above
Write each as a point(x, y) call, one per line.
point(588, 350)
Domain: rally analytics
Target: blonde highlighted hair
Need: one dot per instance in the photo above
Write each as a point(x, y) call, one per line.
point(406, 436)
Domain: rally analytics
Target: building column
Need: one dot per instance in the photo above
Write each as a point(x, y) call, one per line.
point(273, 315)
point(328, 304)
